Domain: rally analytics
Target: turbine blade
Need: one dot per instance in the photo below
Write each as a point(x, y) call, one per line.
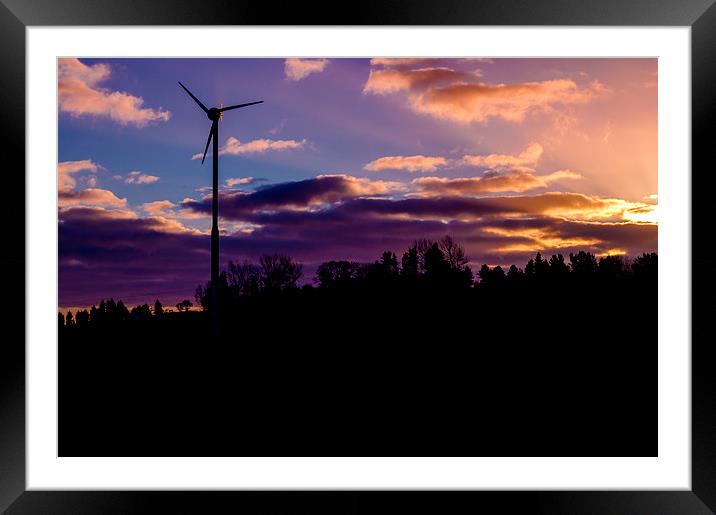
point(211, 131)
point(240, 105)
point(195, 99)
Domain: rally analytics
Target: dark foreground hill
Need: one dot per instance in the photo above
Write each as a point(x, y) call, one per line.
point(559, 366)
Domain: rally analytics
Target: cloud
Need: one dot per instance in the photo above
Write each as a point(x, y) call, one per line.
point(467, 103)
point(158, 207)
point(80, 94)
point(168, 210)
point(527, 158)
point(437, 198)
point(413, 62)
point(459, 96)
point(65, 169)
point(299, 69)
point(384, 82)
point(511, 181)
point(90, 197)
point(68, 196)
point(258, 146)
point(525, 161)
point(136, 177)
point(297, 195)
point(417, 163)
point(237, 181)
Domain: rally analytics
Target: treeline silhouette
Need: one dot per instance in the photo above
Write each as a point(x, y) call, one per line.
point(426, 265)
point(554, 358)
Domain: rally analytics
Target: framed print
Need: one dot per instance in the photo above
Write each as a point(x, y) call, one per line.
point(475, 230)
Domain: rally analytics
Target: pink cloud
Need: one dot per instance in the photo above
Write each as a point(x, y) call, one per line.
point(80, 94)
point(458, 96)
point(236, 181)
point(387, 81)
point(417, 163)
point(65, 169)
point(258, 146)
point(468, 103)
point(137, 177)
point(299, 69)
point(90, 197)
point(527, 158)
point(511, 181)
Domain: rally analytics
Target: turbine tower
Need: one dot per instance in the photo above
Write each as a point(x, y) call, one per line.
point(214, 114)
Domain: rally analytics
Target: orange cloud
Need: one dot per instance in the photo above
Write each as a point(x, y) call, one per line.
point(79, 94)
point(517, 181)
point(236, 181)
point(538, 239)
point(65, 169)
point(90, 197)
point(403, 62)
point(580, 207)
point(299, 69)
point(458, 96)
point(528, 158)
point(417, 163)
point(360, 187)
point(467, 103)
point(169, 210)
point(386, 81)
point(158, 207)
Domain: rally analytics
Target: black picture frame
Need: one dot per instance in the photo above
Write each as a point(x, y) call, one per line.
point(16, 15)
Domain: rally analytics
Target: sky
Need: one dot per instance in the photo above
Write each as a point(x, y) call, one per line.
point(344, 159)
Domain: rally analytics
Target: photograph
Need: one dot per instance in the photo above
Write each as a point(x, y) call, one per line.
point(386, 255)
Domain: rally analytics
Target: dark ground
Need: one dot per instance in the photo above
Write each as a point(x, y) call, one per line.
point(566, 370)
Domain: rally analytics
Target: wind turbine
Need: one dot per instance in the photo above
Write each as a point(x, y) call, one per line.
point(215, 114)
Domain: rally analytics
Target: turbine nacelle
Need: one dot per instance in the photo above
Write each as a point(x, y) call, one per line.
point(214, 114)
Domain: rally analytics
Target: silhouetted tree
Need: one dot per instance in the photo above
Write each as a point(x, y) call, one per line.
point(184, 305)
point(122, 313)
point(244, 279)
point(336, 273)
point(68, 319)
point(435, 265)
point(82, 318)
point(389, 263)
point(60, 320)
point(202, 294)
point(611, 267)
point(541, 266)
point(158, 309)
point(422, 246)
point(279, 272)
point(453, 253)
point(409, 263)
point(94, 315)
point(645, 266)
point(491, 276)
point(515, 275)
point(101, 312)
point(530, 269)
point(484, 274)
point(583, 264)
point(558, 269)
point(141, 312)
point(111, 310)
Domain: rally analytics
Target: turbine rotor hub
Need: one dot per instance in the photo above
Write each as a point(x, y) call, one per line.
point(213, 114)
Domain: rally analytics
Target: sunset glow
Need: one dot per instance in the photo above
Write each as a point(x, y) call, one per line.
point(345, 159)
